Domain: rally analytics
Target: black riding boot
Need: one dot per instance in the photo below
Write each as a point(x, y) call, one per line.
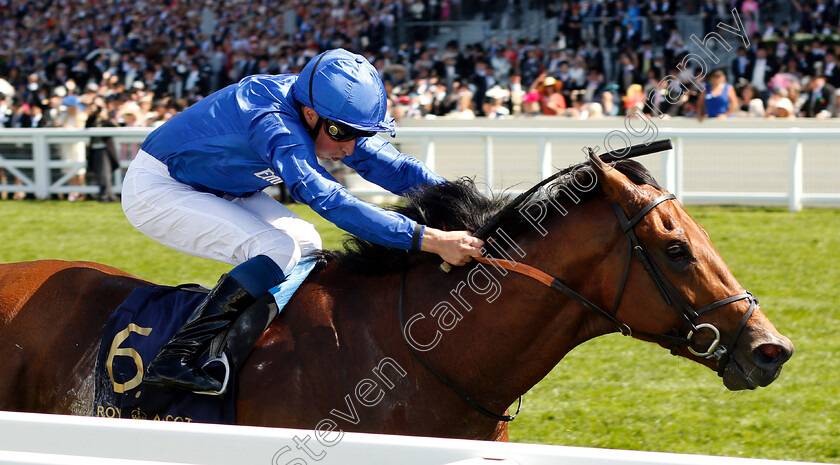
point(174, 366)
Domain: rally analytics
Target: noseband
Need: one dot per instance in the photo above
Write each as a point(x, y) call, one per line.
point(716, 351)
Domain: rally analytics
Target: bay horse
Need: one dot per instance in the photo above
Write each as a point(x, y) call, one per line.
point(380, 340)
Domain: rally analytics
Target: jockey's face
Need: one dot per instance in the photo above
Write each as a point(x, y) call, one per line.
point(325, 147)
point(328, 149)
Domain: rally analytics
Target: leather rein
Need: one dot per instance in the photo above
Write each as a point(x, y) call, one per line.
point(715, 352)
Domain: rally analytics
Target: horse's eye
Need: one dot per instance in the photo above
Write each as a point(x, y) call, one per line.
point(677, 251)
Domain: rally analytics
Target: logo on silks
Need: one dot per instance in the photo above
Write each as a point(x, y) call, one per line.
point(135, 332)
point(269, 176)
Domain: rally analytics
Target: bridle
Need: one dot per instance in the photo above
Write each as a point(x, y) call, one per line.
point(674, 299)
point(716, 351)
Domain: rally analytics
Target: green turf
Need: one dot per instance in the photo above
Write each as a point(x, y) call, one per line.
point(612, 392)
point(620, 393)
point(100, 233)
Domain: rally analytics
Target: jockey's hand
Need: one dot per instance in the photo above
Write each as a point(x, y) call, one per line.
point(454, 247)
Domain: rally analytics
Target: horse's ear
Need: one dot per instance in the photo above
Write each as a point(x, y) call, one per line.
point(617, 187)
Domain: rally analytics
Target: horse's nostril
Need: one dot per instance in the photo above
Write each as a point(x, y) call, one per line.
point(770, 350)
point(771, 355)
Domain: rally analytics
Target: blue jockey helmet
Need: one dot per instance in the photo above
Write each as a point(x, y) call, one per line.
point(345, 87)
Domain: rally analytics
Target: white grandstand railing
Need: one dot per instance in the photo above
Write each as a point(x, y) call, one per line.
point(43, 182)
point(673, 160)
point(30, 153)
point(27, 438)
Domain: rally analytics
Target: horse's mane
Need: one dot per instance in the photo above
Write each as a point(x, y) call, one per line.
point(459, 205)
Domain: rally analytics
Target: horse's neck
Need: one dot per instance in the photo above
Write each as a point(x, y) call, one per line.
point(517, 329)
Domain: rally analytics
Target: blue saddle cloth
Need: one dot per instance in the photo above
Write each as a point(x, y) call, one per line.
point(134, 334)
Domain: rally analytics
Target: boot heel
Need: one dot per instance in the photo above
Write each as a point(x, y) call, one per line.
point(223, 359)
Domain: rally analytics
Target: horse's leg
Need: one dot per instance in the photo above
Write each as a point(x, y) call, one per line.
point(53, 316)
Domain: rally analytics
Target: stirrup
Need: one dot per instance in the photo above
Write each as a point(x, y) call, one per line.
point(223, 358)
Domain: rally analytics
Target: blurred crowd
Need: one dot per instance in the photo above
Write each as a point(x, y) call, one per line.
point(612, 58)
point(77, 63)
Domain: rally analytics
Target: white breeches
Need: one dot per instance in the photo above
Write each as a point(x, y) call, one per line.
point(230, 230)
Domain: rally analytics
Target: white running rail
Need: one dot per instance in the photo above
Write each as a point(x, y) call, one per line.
point(789, 166)
point(27, 438)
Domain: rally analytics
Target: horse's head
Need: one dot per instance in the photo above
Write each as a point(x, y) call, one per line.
point(680, 293)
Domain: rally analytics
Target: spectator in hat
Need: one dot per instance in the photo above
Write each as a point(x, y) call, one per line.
point(6, 111)
point(530, 67)
point(494, 106)
point(552, 101)
point(531, 104)
point(782, 109)
point(634, 99)
point(72, 115)
point(820, 102)
point(22, 117)
point(592, 110)
point(131, 115)
point(8, 117)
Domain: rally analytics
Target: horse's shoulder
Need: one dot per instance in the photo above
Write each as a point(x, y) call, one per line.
point(311, 307)
point(315, 310)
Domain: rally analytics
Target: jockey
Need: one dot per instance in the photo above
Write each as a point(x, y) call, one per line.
point(196, 185)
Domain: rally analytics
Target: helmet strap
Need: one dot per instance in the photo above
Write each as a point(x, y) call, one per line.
point(313, 132)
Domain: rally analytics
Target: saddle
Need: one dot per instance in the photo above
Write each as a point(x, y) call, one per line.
point(146, 320)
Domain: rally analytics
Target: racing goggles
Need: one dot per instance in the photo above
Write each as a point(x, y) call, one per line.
point(341, 132)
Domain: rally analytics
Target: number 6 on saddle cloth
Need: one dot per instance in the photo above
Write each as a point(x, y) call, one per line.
point(146, 320)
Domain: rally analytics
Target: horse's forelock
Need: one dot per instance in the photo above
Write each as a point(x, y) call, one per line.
point(637, 173)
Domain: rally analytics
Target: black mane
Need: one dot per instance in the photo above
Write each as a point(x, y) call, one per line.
point(458, 205)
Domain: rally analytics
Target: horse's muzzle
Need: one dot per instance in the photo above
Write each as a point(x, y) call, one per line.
point(757, 364)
